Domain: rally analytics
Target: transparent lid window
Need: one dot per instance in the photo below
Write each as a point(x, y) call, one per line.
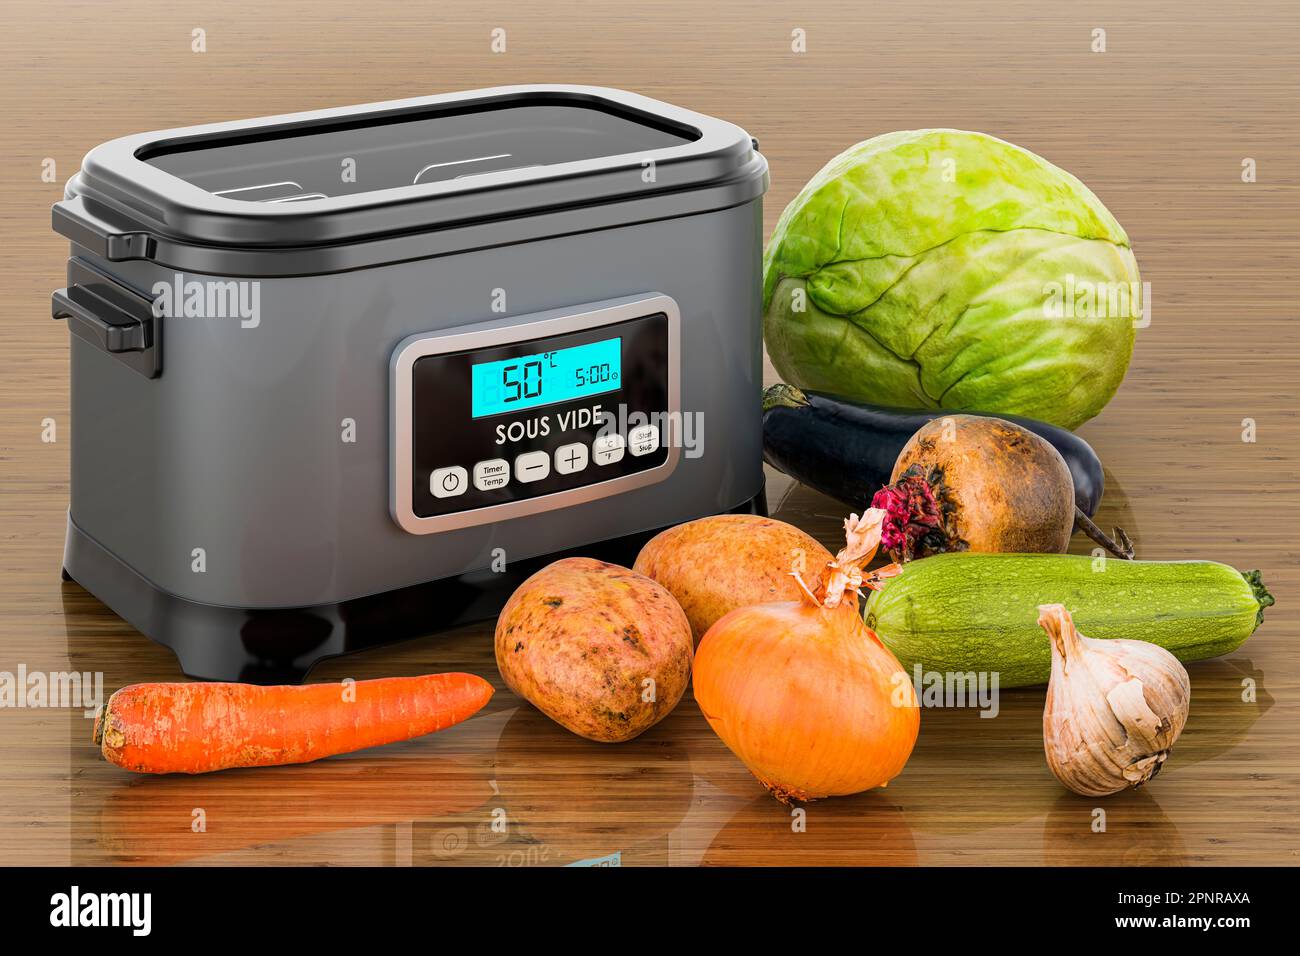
point(377, 152)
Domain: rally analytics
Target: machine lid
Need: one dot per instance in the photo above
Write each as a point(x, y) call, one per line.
point(335, 175)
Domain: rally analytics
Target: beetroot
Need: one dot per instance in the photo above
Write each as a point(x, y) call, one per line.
point(969, 483)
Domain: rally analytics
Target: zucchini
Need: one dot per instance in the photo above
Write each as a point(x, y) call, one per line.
point(964, 611)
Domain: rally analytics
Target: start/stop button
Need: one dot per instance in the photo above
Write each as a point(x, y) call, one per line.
point(643, 440)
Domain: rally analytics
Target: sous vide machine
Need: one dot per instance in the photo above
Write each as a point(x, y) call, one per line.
point(345, 377)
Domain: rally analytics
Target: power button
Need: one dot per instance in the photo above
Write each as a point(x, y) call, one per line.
point(448, 482)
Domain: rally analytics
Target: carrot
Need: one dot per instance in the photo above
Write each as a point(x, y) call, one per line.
point(199, 728)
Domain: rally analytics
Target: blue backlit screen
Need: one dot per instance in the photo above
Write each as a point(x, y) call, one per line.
point(516, 384)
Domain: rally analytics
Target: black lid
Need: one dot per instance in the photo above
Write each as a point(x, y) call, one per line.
point(338, 175)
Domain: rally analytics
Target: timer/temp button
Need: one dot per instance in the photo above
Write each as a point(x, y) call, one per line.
point(607, 449)
point(532, 466)
point(491, 475)
point(643, 440)
point(570, 458)
point(448, 482)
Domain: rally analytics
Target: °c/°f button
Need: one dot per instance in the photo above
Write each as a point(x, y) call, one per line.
point(448, 482)
point(608, 449)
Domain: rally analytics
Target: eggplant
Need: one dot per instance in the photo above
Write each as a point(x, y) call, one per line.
point(847, 450)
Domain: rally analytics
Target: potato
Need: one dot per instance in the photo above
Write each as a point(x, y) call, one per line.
point(715, 565)
point(581, 640)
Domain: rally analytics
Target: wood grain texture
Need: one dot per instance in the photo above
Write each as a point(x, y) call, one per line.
point(1158, 126)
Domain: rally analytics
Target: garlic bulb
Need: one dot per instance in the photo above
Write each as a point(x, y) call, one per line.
point(1114, 708)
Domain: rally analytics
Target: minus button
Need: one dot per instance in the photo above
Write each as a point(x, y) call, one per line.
point(532, 466)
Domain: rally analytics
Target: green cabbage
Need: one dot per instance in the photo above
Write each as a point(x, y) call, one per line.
point(947, 269)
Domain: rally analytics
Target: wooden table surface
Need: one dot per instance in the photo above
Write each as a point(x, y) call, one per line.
point(1158, 125)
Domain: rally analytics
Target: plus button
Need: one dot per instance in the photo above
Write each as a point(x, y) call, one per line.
point(570, 458)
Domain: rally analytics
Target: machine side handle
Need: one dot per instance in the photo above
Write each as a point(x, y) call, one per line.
point(115, 320)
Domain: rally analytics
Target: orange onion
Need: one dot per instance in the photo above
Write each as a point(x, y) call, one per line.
point(803, 692)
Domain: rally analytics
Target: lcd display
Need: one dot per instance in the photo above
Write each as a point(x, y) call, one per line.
point(544, 378)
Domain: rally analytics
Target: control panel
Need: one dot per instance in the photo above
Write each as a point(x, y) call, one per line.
point(515, 416)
